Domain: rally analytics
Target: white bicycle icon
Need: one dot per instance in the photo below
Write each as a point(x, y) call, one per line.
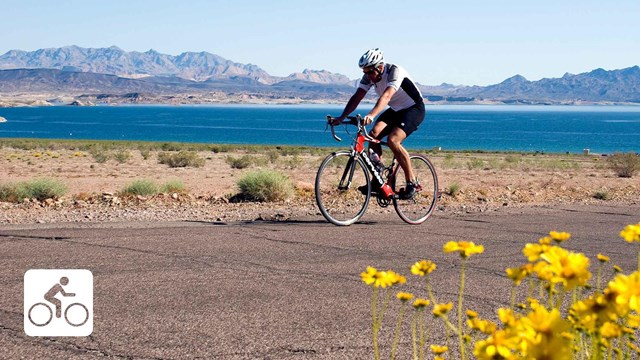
point(76, 320)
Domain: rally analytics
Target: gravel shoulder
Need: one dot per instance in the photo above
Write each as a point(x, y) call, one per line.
point(468, 182)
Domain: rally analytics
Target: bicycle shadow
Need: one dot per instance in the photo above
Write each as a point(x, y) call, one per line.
point(285, 222)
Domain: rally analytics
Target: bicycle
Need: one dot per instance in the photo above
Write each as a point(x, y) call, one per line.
point(343, 185)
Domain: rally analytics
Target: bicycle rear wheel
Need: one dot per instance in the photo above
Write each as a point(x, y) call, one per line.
point(337, 194)
point(417, 209)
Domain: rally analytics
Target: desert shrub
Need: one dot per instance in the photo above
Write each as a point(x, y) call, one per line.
point(624, 165)
point(273, 156)
point(475, 164)
point(449, 162)
point(145, 153)
point(513, 159)
point(40, 189)
point(602, 195)
point(181, 159)
point(8, 193)
point(122, 156)
point(240, 163)
point(140, 187)
point(292, 162)
point(454, 189)
point(173, 186)
point(99, 155)
point(266, 185)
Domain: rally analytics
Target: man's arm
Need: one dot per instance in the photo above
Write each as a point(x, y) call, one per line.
point(381, 104)
point(352, 104)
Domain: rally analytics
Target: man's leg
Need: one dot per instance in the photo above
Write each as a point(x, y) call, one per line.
point(395, 139)
point(378, 133)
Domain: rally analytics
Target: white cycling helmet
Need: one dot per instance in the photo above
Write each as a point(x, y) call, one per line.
point(372, 57)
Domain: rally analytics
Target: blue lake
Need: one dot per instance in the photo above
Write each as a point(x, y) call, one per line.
point(602, 129)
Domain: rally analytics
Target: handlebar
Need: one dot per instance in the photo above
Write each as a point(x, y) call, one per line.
point(353, 120)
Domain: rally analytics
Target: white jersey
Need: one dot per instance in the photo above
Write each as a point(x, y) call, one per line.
point(407, 93)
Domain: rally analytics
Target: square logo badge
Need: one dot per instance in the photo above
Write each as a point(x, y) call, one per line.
point(58, 302)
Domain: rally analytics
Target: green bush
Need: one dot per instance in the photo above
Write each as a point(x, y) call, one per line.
point(173, 186)
point(624, 165)
point(266, 185)
point(40, 189)
point(140, 187)
point(99, 155)
point(122, 156)
point(240, 163)
point(181, 159)
point(454, 189)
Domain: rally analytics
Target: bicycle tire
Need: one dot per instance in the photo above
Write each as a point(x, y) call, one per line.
point(342, 205)
point(419, 208)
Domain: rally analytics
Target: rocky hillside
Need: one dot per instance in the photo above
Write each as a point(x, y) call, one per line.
point(196, 66)
point(112, 70)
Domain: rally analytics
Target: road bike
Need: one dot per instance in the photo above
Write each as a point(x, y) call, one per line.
point(347, 179)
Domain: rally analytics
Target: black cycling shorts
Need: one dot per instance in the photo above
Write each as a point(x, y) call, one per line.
point(408, 119)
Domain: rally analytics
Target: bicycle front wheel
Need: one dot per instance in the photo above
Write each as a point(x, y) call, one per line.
point(343, 189)
point(417, 209)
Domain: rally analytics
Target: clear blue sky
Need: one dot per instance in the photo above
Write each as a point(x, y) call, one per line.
point(461, 42)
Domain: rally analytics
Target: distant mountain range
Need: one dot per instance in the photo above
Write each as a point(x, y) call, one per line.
point(113, 72)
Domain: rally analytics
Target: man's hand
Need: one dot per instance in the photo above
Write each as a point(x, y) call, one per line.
point(368, 119)
point(336, 121)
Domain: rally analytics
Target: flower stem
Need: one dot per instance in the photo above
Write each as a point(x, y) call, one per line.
point(460, 297)
point(414, 337)
point(374, 308)
point(396, 336)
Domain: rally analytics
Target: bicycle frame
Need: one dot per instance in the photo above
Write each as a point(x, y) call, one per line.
point(358, 149)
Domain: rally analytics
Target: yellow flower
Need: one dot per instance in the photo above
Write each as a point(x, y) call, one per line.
point(465, 248)
point(559, 236)
point(533, 251)
point(439, 350)
point(394, 278)
point(484, 326)
point(610, 330)
point(542, 336)
point(569, 268)
point(472, 314)
point(520, 273)
point(603, 259)
point(633, 321)
point(627, 289)
point(420, 304)
point(590, 314)
point(631, 233)
point(423, 267)
point(404, 296)
point(375, 278)
point(507, 316)
point(497, 346)
point(442, 309)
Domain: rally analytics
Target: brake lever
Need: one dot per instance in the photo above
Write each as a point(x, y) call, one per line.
point(333, 131)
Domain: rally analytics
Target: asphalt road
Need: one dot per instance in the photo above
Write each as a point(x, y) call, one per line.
point(281, 290)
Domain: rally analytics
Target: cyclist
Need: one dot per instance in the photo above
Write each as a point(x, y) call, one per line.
point(405, 113)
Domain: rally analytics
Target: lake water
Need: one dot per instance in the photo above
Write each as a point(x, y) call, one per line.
point(602, 129)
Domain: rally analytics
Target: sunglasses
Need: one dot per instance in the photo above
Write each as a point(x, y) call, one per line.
point(370, 72)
